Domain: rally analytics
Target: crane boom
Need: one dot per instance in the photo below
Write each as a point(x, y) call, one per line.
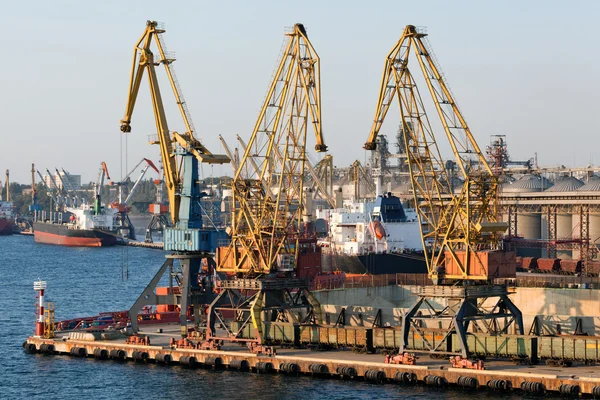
point(145, 60)
point(268, 203)
point(71, 187)
point(454, 227)
point(234, 163)
point(149, 164)
point(59, 198)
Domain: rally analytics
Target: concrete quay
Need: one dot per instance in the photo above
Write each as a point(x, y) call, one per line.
point(498, 375)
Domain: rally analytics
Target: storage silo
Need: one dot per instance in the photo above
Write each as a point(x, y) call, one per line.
point(529, 224)
point(593, 187)
point(564, 221)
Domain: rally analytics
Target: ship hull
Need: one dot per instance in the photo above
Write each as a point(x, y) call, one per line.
point(376, 263)
point(6, 226)
point(61, 235)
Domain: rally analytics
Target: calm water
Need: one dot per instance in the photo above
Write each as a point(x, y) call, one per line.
point(86, 281)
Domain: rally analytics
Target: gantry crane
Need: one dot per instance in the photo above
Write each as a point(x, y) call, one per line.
point(268, 200)
point(460, 231)
point(180, 154)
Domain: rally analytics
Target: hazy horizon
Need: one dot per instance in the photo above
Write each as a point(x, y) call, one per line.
point(526, 70)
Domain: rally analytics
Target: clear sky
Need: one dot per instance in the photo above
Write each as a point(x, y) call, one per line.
point(526, 69)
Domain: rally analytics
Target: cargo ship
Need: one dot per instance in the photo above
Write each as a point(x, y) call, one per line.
point(85, 226)
point(7, 220)
point(376, 237)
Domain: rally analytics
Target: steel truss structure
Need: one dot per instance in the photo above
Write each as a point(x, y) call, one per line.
point(459, 230)
point(255, 301)
point(268, 186)
point(485, 308)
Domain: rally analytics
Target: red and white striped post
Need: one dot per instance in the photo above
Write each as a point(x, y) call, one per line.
point(40, 286)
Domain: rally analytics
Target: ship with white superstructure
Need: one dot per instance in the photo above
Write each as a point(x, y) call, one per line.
point(376, 237)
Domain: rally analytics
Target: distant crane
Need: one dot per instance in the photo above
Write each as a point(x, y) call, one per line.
point(124, 224)
point(50, 192)
point(98, 188)
point(360, 175)
point(34, 205)
point(233, 156)
point(66, 178)
point(61, 200)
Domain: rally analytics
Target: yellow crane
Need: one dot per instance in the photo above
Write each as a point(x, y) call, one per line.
point(460, 231)
point(359, 175)
point(180, 154)
point(268, 185)
point(268, 205)
point(144, 60)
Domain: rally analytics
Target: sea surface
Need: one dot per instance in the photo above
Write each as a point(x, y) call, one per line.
point(86, 281)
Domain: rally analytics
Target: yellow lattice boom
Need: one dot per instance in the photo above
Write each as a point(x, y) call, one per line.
point(459, 230)
point(268, 185)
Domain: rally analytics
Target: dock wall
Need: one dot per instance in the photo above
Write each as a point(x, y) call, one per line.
point(555, 309)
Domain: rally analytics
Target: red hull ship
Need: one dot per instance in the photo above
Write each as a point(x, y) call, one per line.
point(66, 235)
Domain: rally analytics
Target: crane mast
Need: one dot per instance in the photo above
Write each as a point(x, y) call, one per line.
point(7, 185)
point(460, 231)
point(34, 193)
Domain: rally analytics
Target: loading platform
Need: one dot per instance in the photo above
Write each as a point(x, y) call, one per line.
point(498, 375)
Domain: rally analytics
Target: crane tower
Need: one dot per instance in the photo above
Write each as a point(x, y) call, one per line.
point(189, 240)
point(460, 231)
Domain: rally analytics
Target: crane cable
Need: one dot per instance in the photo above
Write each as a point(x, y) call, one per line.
point(125, 249)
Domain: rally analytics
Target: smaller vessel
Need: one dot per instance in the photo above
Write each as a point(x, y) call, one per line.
point(7, 218)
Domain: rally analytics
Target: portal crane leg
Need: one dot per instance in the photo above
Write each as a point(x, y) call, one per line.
point(257, 302)
point(455, 308)
point(149, 297)
point(193, 291)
